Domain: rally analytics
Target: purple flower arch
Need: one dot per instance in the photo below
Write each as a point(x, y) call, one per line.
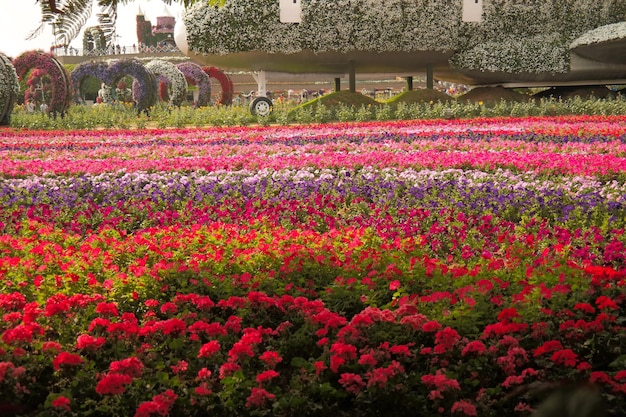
point(196, 76)
point(59, 77)
point(96, 69)
point(9, 89)
point(144, 90)
point(226, 98)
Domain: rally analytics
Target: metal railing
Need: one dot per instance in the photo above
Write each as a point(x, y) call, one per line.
point(114, 50)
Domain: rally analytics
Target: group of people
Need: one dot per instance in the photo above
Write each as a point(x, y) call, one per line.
point(30, 107)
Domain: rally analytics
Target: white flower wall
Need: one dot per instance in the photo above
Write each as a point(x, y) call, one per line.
point(515, 35)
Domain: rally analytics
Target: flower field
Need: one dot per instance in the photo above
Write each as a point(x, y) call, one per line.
point(407, 268)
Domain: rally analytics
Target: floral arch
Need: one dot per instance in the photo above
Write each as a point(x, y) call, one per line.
point(96, 69)
point(9, 89)
point(59, 77)
point(144, 87)
point(226, 98)
point(173, 75)
point(196, 76)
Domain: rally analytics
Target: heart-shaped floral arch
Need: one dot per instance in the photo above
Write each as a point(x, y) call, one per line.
point(144, 87)
point(96, 69)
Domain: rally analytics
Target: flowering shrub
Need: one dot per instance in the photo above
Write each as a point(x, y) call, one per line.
point(513, 36)
point(59, 78)
point(196, 76)
point(9, 89)
point(174, 76)
point(276, 275)
point(226, 97)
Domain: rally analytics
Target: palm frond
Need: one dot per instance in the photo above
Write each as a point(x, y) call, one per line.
point(68, 25)
point(67, 19)
point(36, 32)
point(107, 18)
point(185, 3)
point(47, 17)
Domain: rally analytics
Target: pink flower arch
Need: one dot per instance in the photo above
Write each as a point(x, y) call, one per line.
point(59, 77)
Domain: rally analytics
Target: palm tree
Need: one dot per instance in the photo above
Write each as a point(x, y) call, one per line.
point(67, 17)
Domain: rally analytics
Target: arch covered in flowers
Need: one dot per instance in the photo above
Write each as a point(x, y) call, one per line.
point(226, 98)
point(9, 89)
point(175, 77)
point(196, 76)
point(95, 35)
point(59, 77)
point(144, 87)
point(96, 69)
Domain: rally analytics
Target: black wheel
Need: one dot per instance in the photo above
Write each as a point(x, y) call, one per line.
point(261, 106)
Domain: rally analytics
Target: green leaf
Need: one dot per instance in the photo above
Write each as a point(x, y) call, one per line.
point(619, 363)
point(298, 362)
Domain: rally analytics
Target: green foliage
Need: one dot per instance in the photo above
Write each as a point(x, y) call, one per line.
point(163, 116)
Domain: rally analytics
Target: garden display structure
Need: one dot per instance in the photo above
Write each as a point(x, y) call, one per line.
point(9, 89)
point(512, 43)
point(529, 41)
point(195, 75)
point(173, 76)
point(226, 84)
point(59, 78)
point(145, 85)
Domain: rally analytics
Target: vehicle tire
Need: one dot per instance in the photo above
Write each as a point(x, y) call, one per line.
point(261, 106)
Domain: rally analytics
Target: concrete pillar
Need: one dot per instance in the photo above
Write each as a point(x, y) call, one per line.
point(337, 85)
point(352, 78)
point(409, 83)
point(429, 76)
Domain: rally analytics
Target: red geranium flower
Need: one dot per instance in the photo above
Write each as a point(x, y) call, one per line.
point(66, 358)
point(61, 402)
point(113, 384)
point(475, 346)
point(209, 349)
point(352, 382)
point(85, 341)
point(129, 366)
point(565, 357)
point(266, 376)
point(271, 358)
point(258, 397)
point(465, 407)
point(547, 347)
